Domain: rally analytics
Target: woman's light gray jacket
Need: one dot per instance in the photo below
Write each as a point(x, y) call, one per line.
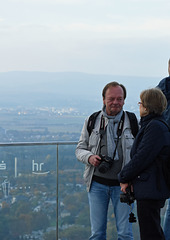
point(88, 146)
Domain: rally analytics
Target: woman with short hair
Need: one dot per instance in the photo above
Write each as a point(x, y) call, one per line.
point(143, 171)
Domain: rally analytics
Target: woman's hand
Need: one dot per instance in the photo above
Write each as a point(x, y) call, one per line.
point(124, 186)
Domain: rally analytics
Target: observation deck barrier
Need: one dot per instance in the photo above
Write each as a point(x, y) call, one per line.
point(43, 195)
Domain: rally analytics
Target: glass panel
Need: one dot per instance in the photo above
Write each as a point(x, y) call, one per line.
point(73, 221)
point(28, 192)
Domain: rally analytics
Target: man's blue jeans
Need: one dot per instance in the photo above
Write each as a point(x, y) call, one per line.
point(166, 226)
point(99, 198)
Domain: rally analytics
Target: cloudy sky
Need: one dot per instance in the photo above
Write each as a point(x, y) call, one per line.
point(120, 37)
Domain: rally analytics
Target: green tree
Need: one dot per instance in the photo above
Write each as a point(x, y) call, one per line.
point(50, 236)
point(75, 233)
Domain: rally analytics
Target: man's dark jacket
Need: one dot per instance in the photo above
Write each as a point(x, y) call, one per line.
point(143, 171)
point(164, 85)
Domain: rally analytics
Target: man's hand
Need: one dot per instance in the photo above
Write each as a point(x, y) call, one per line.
point(94, 160)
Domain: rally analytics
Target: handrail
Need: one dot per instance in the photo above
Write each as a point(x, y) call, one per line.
point(4, 144)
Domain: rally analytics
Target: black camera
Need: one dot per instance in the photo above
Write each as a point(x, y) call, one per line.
point(106, 163)
point(127, 197)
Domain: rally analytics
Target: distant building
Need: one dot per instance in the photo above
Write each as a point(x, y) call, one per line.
point(6, 188)
point(65, 214)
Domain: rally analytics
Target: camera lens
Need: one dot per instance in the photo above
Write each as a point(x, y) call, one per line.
point(105, 164)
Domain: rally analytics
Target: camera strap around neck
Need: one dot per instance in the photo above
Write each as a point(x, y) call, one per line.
point(119, 132)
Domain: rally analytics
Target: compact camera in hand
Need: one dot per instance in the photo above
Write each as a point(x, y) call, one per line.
point(106, 163)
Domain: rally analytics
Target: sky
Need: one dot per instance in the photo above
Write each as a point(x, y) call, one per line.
point(117, 37)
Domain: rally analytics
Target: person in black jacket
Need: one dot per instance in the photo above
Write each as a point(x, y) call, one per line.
point(164, 85)
point(146, 178)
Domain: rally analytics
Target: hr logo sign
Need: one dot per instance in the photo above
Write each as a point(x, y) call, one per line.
point(37, 168)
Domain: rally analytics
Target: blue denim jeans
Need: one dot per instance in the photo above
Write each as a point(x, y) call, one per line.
point(166, 226)
point(99, 198)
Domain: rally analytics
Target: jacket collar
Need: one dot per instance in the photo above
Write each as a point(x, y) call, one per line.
point(145, 120)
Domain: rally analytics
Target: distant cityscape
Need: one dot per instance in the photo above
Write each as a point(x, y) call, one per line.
point(40, 124)
point(23, 124)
